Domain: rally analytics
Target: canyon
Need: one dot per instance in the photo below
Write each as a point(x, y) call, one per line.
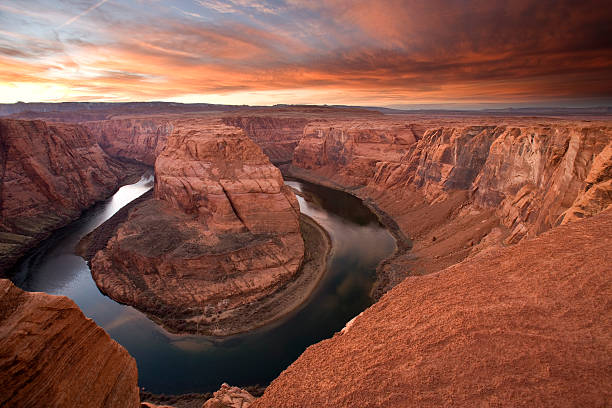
point(507, 218)
point(462, 188)
point(50, 173)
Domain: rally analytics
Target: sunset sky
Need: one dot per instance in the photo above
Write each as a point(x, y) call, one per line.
point(388, 53)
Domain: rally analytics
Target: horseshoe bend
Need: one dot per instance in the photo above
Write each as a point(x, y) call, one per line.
point(236, 203)
point(500, 269)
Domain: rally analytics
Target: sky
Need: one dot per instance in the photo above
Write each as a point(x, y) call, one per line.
point(398, 53)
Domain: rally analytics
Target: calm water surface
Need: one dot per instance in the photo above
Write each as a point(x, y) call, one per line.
point(174, 364)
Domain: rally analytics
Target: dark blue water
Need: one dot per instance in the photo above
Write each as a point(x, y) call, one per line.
point(175, 364)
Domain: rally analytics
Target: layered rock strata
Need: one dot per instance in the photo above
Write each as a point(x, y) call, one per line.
point(51, 355)
point(49, 173)
point(221, 232)
point(137, 139)
point(460, 189)
point(277, 136)
point(142, 139)
point(525, 325)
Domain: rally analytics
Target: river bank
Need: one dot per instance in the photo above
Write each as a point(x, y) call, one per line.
point(386, 277)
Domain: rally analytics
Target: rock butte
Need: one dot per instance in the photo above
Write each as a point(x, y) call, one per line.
point(221, 232)
point(513, 318)
point(51, 355)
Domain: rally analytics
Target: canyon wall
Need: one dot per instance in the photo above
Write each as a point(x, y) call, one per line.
point(459, 189)
point(51, 355)
point(525, 325)
point(49, 173)
point(221, 232)
point(137, 139)
point(348, 151)
point(142, 139)
point(277, 136)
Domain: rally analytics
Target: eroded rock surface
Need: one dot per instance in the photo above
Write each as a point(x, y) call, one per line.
point(221, 232)
point(461, 188)
point(230, 397)
point(277, 136)
point(49, 173)
point(51, 355)
point(525, 325)
point(138, 139)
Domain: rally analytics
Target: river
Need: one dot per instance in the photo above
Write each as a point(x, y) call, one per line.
point(177, 364)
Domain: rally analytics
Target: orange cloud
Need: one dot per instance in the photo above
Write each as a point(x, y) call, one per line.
point(385, 52)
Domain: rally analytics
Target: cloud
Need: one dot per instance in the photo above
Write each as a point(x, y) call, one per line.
point(85, 12)
point(338, 51)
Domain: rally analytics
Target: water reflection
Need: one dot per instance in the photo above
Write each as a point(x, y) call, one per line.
point(170, 363)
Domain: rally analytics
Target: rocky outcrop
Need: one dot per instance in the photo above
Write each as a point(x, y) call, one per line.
point(137, 139)
point(460, 189)
point(51, 355)
point(277, 136)
point(596, 195)
point(49, 173)
point(221, 233)
point(533, 174)
point(229, 397)
point(525, 325)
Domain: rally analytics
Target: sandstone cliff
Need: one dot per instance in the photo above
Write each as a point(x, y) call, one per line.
point(49, 173)
point(142, 139)
point(461, 188)
point(51, 355)
point(221, 233)
point(277, 136)
point(138, 139)
point(526, 325)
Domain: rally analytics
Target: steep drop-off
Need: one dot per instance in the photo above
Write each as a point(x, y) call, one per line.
point(138, 139)
point(277, 136)
point(51, 355)
point(221, 232)
point(526, 325)
point(49, 173)
point(460, 189)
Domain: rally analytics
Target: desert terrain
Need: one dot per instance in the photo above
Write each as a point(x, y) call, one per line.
point(498, 291)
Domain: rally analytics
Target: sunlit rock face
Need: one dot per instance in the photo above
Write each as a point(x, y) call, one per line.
point(528, 323)
point(534, 174)
point(51, 355)
point(49, 174)
point(467, 185)
point(229, 397)
point(221, 231)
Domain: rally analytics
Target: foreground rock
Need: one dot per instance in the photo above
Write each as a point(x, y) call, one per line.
point(527, 325)
point(229, 397)
point(221, 232)
point(51, 355)
point(49, 173)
